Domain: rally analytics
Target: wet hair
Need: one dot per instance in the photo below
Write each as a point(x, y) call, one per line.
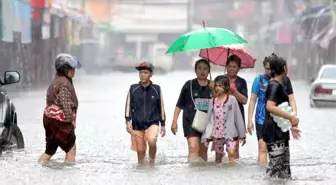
point(224, 81)
point(266, 61)
point(234, 58)
point(202, 61)
point(64, 70)
point(277, 65)
point(268, 58)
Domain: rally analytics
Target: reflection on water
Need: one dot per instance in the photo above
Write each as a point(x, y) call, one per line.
point(58, 165)
point(167, 170)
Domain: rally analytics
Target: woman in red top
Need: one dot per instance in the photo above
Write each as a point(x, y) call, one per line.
point(59, 119)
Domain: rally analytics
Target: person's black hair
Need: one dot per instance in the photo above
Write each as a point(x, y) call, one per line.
point(234, 58)
point(266, 61)
point(202, 61)
point(224, 81)
point(277, 65)
point(64, 70)
point(268, 58)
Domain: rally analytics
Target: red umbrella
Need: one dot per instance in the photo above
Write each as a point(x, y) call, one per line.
point(219, 55)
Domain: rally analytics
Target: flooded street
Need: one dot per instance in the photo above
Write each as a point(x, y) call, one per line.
point(104, 157)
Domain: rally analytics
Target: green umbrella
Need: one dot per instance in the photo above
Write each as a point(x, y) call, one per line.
point(206, 37)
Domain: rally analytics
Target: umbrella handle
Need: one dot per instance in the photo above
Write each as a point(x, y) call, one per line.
point(227, 57)
point(208, 61)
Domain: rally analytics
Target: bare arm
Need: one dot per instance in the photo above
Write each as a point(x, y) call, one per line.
point(240, 97)
point(272, 108)
point(251, 107)
point(292, 103)
point(176, 114)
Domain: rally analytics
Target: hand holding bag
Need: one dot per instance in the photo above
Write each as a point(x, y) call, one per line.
point(200, 119)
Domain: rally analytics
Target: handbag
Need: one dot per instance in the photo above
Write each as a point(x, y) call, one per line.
point(200, 119)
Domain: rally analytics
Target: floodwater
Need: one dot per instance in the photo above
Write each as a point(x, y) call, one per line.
point(103, 155)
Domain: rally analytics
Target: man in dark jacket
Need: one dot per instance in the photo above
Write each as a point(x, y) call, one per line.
point(144, 112)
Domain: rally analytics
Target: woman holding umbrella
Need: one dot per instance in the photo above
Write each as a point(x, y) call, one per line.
point(195, 92)
point(238, 85)
point(198, 89)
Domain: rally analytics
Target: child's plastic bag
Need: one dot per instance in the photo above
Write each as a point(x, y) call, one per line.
point(283, 123)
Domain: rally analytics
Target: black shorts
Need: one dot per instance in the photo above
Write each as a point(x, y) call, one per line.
point(189, 131)
point(259, 130)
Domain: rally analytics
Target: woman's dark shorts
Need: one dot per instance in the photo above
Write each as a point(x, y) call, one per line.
point(259, 130)
point(58, 134)
point(189, 131)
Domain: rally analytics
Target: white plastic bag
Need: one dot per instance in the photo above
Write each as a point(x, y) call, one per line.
point(283, 123)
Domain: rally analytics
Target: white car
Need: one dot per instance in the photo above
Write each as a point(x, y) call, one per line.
point(162, 62)
point(323, 88)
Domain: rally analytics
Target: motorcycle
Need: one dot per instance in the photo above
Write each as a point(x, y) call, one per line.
point(10, 134)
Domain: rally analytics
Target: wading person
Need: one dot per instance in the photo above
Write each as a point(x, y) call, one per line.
point(144, 112)
point(194, 94)
point(226, 126)
point(258, 95)
point(238, 85)
point(59, 118)
point(276, 140)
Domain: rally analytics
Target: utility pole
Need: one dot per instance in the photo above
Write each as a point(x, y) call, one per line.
point(332, 4)
point(1, 21)
point(190, 13)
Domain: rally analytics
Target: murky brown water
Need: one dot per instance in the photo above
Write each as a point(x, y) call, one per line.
point(103, 144)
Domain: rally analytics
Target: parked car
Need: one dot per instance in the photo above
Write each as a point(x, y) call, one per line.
point(10, 134)
point(323, 87)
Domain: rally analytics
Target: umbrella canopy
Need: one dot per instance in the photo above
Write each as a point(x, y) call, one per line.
point(219, 55)
point(206, 37)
